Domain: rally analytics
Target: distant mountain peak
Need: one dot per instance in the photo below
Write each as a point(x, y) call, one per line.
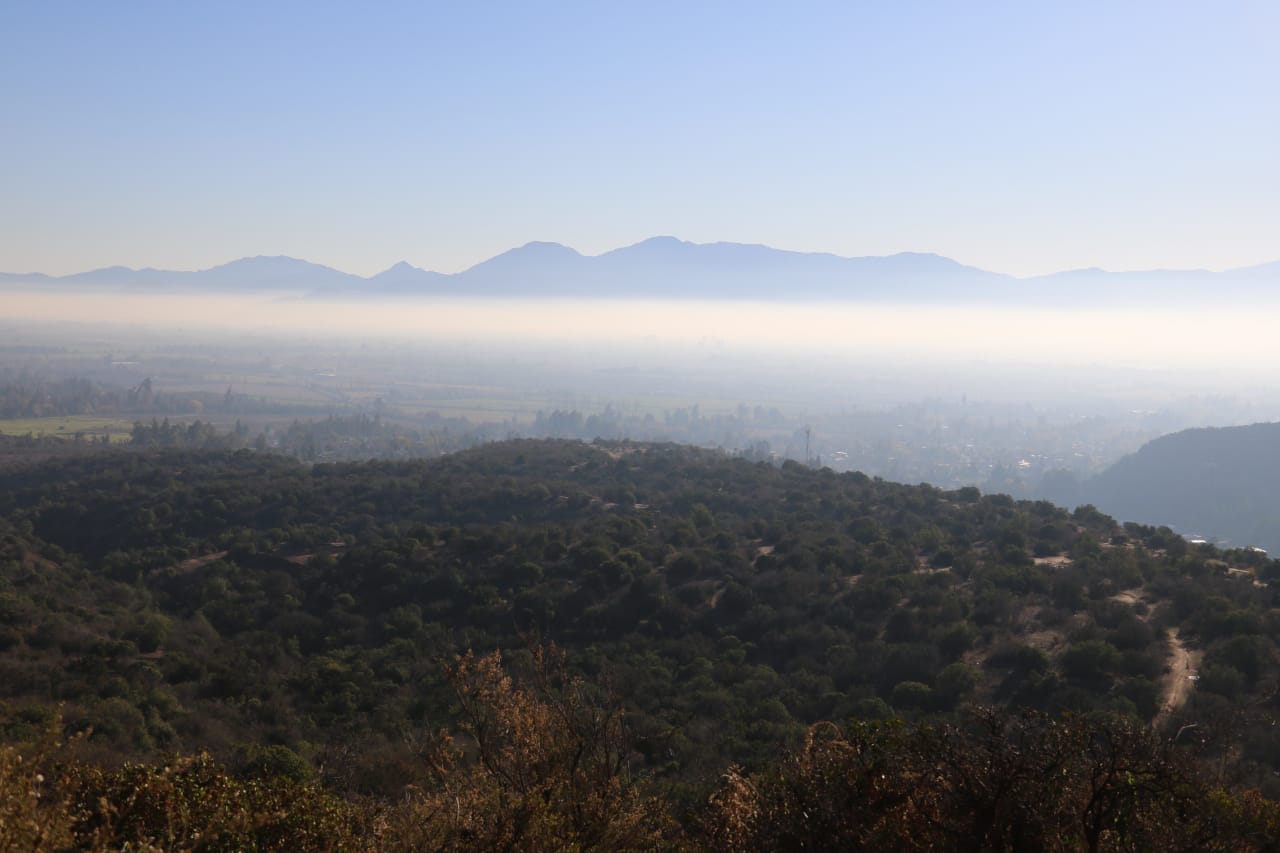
point(268, 261)
point(664, 240)
point(536, 251)
point(545, 246)
point(666, 267)
point(400, 268)
point(405, 275)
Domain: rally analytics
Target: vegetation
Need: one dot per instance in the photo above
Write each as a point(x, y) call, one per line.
point(1218, 483)
point(213, 618)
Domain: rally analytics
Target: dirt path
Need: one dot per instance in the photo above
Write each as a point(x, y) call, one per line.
point(188, 566)
point(1180, 680)
point(1184, 664)
point(1129, 597)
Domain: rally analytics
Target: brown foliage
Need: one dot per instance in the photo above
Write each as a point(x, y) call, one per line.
point(34, 815)
point(48, 802)
point(541, 766)
point(194, 804)
point(1000, 784)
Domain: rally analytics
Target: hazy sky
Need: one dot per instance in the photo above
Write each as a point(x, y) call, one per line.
point(1022, 137)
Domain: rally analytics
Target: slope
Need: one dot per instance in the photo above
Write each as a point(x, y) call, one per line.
point(234, 601)
point(1221, 483)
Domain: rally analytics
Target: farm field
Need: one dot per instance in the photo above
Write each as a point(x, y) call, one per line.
point(68, 426)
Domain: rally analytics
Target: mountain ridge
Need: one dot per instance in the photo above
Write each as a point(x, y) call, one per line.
point(668, 267)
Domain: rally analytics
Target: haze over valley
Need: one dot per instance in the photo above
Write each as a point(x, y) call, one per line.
point(639, 427)
point(1019, 399)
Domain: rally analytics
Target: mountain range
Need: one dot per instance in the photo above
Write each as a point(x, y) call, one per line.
point(666, 268)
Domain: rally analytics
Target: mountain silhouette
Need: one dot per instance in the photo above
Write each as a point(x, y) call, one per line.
point(670, 268)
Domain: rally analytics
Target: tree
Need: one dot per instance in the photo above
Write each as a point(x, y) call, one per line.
point(543, 765)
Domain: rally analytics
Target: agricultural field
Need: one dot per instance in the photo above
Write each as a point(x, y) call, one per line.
point(68, 426)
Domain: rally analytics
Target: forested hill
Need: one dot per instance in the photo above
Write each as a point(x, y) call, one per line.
point(1222, 483)
point(296, 618)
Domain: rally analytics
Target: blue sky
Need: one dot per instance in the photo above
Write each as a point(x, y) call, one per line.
point(1022, 137)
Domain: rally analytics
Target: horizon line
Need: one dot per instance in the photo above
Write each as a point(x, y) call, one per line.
point(655, 238)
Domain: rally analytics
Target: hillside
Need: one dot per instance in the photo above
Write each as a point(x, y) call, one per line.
point(302, 619)
point(1220, 483)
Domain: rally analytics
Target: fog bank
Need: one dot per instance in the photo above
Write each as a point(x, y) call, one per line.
point(1157, 338)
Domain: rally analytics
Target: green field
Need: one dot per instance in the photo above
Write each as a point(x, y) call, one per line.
point(67, 426)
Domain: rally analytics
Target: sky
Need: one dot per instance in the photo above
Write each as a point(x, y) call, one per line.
point(1020, 137)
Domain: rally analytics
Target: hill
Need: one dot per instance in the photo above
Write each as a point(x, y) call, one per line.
point(259, 273)
point(311, 620)
point(1218, 483)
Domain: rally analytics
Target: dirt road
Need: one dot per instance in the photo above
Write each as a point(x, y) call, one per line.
point(1180, 680)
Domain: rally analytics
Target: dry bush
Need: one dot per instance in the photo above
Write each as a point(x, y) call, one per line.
point(540, 765)
point(195, 804)
point(1000, 783)
point(49, 801)
point(35, 813)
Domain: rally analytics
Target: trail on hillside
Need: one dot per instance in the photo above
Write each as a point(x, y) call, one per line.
point(1131, 598)
point(188, 566)
point(1180, 680)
